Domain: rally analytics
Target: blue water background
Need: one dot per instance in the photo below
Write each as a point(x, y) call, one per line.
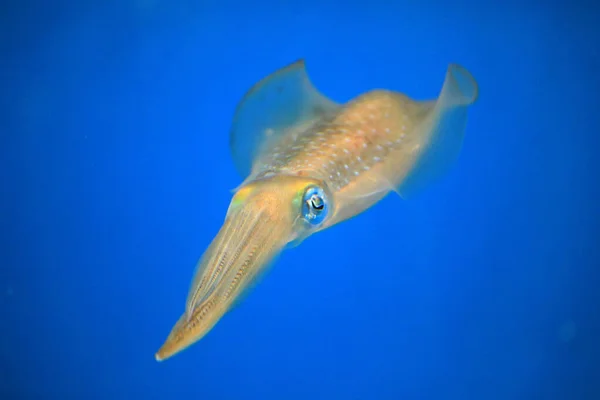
point(115, 175)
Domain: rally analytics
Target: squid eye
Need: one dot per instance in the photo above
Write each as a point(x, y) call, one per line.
point(315, 207)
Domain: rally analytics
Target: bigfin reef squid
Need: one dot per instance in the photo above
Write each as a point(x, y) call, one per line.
point(310, 163)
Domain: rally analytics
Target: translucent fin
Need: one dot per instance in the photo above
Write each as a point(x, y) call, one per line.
point(442, 130)
point(280, 101)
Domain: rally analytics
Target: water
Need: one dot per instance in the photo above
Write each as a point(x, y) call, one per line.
point(116, 174)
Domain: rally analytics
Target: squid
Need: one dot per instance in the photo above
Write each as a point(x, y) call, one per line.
point(310, 163)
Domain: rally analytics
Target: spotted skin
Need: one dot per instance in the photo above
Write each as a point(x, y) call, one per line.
point(347, 144)
point(347, 148)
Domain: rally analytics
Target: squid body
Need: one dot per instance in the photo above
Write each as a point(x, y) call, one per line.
point(310, 163)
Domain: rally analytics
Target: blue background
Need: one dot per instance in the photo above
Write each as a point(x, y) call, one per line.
point(115, 175)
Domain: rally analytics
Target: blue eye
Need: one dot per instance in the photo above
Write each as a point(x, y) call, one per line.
point(314, 206)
